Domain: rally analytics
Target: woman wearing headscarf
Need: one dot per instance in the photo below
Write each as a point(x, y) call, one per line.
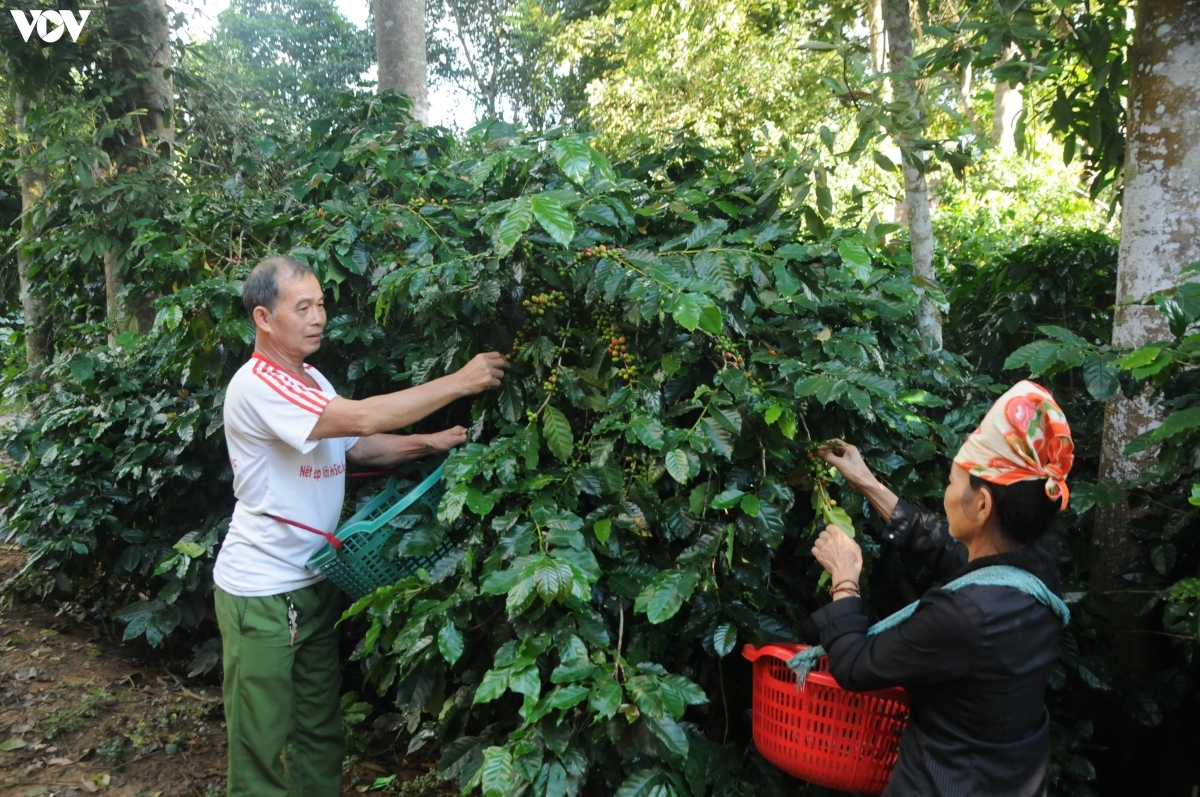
point(974, 653)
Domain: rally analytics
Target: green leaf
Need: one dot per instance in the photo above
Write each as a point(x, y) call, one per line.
point(479, 502)
point(81, 368)
point(884, 162)
point(724, 639)
point(553, 217)
point(605, 700)
point(568, 696)
point(643, 783)
point(603, 529)
point(450, 643)
point(452, 503)
point(649, 430)
point(677, 465)
point(1177, 422)
point(553, 580)
point(189, 548)
point(720, 438)
point(664, 596)
point(519, 217)
point(1040, 356)
point(710, 317)
point(838, 517)
point(1101, 378)
point(498, 773)
point(669, 733)
point(727, 499)
point(751, 505)
point(493, 685)
point(573, 157)
point(686, 311)
point(785, 283)
point(557, 431)
point(857, 259)
point(1163, 558)
point(9, 745)
point(1139, 358)
point(1065, 335)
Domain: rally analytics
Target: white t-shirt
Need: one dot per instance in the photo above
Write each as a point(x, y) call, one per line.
point(278, 471)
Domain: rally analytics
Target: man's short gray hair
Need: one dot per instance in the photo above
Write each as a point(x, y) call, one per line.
point(262, 286)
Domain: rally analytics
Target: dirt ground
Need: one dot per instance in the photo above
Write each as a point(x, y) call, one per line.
point(80, 715)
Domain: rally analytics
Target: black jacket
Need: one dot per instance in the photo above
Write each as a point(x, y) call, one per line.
point(975, 662)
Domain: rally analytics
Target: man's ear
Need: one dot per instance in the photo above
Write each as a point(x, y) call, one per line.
point(262, 318)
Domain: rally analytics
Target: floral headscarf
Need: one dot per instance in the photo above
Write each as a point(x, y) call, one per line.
point(1024, 436)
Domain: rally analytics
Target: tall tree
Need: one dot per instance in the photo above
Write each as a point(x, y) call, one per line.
point(1006, 106)
point(142, 63)
point(507, 56)
point(1160, 221)
point(298, 55)
point(400, 51)
point(33, 305)
point(908, 120)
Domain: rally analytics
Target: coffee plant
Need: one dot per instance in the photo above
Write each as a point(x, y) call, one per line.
point(635, 501)
point(679, 343)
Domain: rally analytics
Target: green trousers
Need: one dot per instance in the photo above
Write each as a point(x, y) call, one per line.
point(282, 706)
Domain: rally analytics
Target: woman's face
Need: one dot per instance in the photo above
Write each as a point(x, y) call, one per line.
point(964, 506)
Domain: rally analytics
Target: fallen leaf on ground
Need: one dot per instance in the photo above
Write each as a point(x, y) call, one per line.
point(13, 744)
point(60, 762)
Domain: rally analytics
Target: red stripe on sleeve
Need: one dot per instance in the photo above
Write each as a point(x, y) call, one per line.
point(306, 401)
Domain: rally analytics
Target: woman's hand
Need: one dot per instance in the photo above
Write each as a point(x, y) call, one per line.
point(849, 463)
point(841, 555)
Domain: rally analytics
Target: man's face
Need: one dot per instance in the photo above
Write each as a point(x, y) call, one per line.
point(299, 317)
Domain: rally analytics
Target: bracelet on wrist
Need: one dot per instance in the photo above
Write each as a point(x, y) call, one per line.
point(839, 585)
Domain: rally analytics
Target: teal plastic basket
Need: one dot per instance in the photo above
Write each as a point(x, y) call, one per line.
point(361, 567)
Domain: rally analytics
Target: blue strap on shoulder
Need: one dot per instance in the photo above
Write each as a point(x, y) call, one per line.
point(995, 576)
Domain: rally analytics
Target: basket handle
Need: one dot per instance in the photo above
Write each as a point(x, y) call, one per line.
point(775, 651)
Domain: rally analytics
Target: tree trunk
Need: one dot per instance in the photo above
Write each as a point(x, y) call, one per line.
point(1160, 234)
point(144, 30)
point(400, 51)
point(964, 94)
point(879, 42)
point(1006, 107)
point(33, 305)
point(908, 120)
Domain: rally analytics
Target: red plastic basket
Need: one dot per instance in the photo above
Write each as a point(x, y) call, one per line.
point(822, 733)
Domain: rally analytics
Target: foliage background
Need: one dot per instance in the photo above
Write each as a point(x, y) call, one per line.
point(772, 246)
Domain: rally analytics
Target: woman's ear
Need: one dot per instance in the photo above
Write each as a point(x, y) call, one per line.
point(986, 505)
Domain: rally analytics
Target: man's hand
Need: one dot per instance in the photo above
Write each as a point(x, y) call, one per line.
point(484, 372)
point(446, 439)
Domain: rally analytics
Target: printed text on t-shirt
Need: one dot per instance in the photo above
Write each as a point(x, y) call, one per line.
point(327, 472)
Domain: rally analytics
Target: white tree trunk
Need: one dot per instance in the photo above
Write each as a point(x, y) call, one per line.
point(144, 29)
point(908, 119)
point(964, 95)
point(1006, 107)
point(400, 51)
point(878, 41)
point(33, 305)
point(1160, 232)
